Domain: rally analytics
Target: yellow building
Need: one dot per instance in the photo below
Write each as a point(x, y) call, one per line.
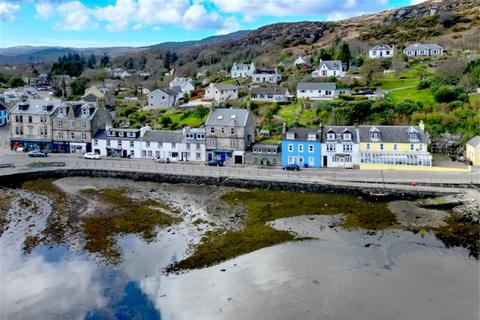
point(473, 151)
point(394, 145)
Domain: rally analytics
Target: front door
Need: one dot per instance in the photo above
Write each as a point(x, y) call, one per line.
point(238, 159)
point(124, 153)
point(325, 161)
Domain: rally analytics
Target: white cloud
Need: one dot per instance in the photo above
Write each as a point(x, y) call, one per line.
point(45, 10)
point(138, 26)
point(8, 11)
point(75, 16)
point(413, 2)
point(157, 28)
point(117, 16)
point(283, 8)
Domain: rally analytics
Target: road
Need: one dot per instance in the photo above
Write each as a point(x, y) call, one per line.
point(21, 162)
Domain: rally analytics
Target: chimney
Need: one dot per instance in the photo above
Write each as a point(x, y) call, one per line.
point(284, 128)
point(422, 125)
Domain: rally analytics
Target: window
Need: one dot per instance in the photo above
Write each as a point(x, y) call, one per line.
point(157, 154)
point(223, 130)
point(61, 111)
point(131, 134)
point(312, 137)
point(131, 144)
point(85, 112)
point(368, 146)
point(232, 131)
point(375, 135)
point(330, 136)
point(84, 124)
point(144, 153)
point(347, 136)
point(19, 130)
point(72, 135)
point(233, 143)
point(72, 124)
point(188, 145)
point(212, 130)
point(173, 145)
point(291, 160)
point(30, 119)
point(395, 147)
point(147, 144)
point(330, 147)
point(412, 147)
point(43, 119)
point(420, 147)
point(310, 148)
point(150, 153)
point(347, 148)
point(300, 148)
point(197, 156)
point(132, 153)
point(108, 143)
point(290, 136)
point(290, 148)
point(59, 135)
point(60, 123)
point(84, 136)
point(381, 146)
point(95, 142)
point(328, 92)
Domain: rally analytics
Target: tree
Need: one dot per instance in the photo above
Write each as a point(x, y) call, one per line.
point(372, 70)
point(105, 61)
point(142, 63)
point(446, 94)
point(165, 121)
point(16, 81)
point(344, 54)
point(129, 63)
point(422, 72)
point(79, 85)
point(398, 64)
point(91, 61)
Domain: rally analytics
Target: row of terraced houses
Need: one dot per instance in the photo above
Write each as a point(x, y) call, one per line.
point(228, 135)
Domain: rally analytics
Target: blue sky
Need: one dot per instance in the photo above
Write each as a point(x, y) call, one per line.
point(97, 23)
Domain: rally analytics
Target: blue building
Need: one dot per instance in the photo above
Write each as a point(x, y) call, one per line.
point(3, 116)
point(302, 146)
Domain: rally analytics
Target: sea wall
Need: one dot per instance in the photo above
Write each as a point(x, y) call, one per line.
point(364, 190)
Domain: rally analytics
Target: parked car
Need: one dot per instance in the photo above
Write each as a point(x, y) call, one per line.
point(92, 156)
point(37, 153)
point(162, 160)
point(291, 167)
point(214, 163)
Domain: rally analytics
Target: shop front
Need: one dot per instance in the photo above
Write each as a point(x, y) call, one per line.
point(29, 145)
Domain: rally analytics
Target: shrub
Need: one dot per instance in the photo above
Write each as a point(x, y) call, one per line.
point(446, 94)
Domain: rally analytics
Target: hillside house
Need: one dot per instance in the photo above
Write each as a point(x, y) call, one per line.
point(220, 92)
point(163, 98)
point(100, 95)
point(266, 75)
point(264, 155)
point(185, 84)
point(420, 49)
point(319, 90)
point(229, 133)
point(269, 94)
point(299, 61)
point(381, 51)
point(3, 115)
point(242, 70)
point(329, 68)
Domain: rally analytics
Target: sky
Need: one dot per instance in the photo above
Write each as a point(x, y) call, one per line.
point(105, 23)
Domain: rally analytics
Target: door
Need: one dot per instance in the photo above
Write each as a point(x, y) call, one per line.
point(238, 159)
point(325, 161)
point(223, 156)
point(124, 153)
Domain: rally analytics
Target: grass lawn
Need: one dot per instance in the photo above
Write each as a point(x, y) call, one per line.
point(423, 95)
point(287, 113)
point(190, 120)
point(408, 78)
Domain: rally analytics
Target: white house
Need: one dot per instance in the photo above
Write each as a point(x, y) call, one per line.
point(381, 51)
point(263, 75)
point(299, 61)
point(319, 90)
point(340, 147)
point(220, 92)
point(329, 68)
point(185, 84)
point(270, 94)
point(420, 49)
point(242, 70)
point(163, 98)
point(121, 143)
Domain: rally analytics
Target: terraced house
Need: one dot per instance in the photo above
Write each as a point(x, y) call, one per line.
point(340, 147)
point(31, 124)
point(75, 123)
point(301, 146)
point(383, 146)
point(229, 133)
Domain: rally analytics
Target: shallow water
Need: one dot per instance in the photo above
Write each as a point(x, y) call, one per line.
point(338, 275)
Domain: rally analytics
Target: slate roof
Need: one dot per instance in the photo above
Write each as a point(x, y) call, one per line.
point(241, 66)
point(316, 86)
point(163, 136)
point(102, 134)
point(475, 141)
point(168, 91)
point(419, 46)
point(332, 64)
point(269, 90)
point(391, 134)
point(35, 106)
point(228, 117)
point(265, 71)
point(262, 146)
point(382, 47)
point(339, 130)
point(225, 86)
point(301, 134)
point(90, 98)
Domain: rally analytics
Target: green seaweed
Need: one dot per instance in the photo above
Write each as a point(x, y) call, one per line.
point(460, 232)
point(123, 216)
point(263, 206)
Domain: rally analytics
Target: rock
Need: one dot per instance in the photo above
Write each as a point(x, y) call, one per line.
point(444, 202)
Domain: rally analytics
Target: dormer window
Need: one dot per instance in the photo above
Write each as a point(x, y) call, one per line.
point(131, 134)
point(290, 136)
point(111, 133)
point(331, 135)
point(374, 134)
point(347, 136)
point(412, 134)
point(61, 111)
point(312, 137)
point(85, 112)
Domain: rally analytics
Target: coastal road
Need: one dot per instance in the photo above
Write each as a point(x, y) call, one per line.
point(22, 161)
